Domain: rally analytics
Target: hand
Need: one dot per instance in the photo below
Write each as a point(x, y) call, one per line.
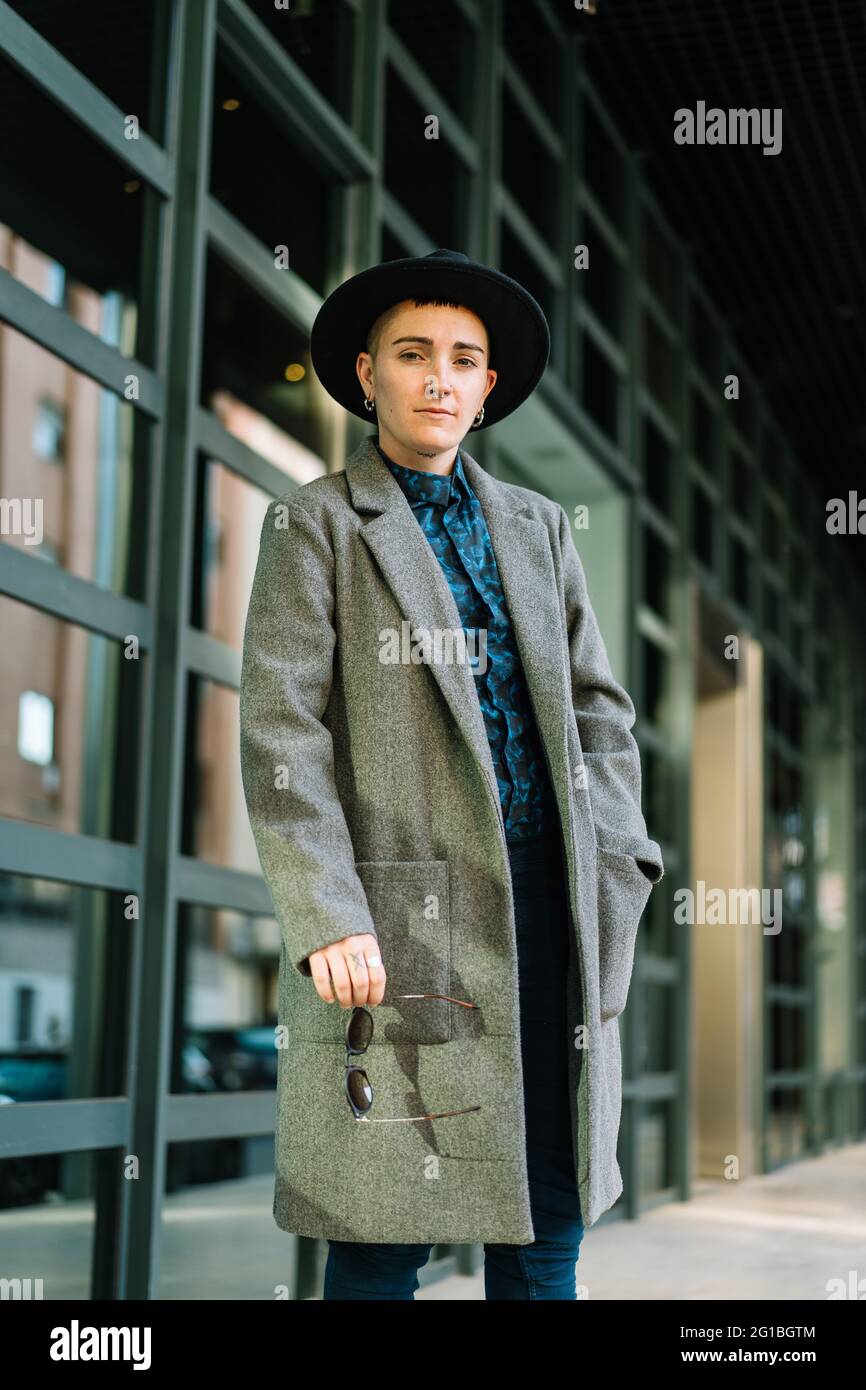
point(340, 969)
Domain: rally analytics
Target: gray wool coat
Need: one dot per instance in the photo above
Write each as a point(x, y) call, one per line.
point(373, 801)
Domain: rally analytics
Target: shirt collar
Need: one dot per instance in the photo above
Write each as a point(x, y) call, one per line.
point(422, 488)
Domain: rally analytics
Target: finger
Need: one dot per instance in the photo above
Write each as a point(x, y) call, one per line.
point(321, 977)
point(356, 965)
point(340, 976)
point(376, 974)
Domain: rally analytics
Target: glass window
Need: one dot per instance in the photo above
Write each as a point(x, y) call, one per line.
point(703, 528)
point(657, 924)
point(94, 686)
point(603, 282)
point(392, 248)
point(771, 458)
point(660, 364)
point(533, 49)
point(85, 222)
point(655, 1147)
point(320, 37)
point(444, 44)
point(48, 439)
point(786, 1124)
point(49, 1206)
point(88, 515)
point(227, 983)
point(65, 955)
point(657, 463)
point(659, 1048)
point(655, 666)
point(741, 568)
point(659, 804)
point(704, 432)
point(122, 61)
point(603, 166)
point(771, 535)
point(256, 372)
point(772, 608)
point(216, 824)
point(741, 485)
point(600, 389)
point(706, 339)
point(228, 525)
point(746, 407)
point(528, 171)
point(294, 208)
point(414, 167)
point(662, 266)
point(657, 571)
point(517, 262)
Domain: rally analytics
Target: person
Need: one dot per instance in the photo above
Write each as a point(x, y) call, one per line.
point(431, 853)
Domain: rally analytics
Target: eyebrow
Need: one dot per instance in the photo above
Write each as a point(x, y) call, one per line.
point(429, 343)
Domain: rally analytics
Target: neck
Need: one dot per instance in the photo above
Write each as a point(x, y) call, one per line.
point(423, 459)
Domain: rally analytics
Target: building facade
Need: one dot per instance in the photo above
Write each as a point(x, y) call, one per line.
point(179, 194)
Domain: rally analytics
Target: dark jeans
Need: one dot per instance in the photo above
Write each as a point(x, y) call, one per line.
point(544, 1269)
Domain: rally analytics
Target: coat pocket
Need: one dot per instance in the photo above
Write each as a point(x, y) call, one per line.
point(409, 905)
point(623, 890)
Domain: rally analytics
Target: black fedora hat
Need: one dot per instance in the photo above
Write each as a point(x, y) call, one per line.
point(517, 328)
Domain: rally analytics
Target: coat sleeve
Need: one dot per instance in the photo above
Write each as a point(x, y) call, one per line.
point(604, 714)
point(287, 753)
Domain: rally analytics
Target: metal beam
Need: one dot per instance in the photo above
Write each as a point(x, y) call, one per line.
point(68, 598)
point(162, 796)
point(56, 331)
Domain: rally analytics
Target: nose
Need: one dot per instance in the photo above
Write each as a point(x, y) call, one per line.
point(441, 379)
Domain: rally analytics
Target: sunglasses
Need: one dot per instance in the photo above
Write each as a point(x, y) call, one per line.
point(359, 1092)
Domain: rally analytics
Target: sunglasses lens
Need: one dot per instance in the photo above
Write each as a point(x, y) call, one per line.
point(359, 1088)
point(360, 1030)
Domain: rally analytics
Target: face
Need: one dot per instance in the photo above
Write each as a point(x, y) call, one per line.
point(428, 359)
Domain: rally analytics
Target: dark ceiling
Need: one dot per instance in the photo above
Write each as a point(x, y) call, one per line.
point(779, 241)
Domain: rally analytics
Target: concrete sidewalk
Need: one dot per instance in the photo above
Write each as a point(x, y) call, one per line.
point(783, 1236)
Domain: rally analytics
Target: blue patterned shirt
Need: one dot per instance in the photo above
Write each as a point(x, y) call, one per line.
point(450, 515)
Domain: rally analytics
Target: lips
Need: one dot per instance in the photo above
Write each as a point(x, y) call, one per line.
point(435, 412)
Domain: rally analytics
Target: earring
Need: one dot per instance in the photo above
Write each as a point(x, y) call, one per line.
point(480, 416)
point(368, 403)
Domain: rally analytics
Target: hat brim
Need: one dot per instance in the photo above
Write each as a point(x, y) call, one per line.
point(517, 327)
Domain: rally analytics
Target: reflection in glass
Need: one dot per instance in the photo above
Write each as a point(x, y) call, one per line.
point(123, 68)
point(413, 166)
point(74, 467)
point(320, 39)
point(216, 821)
point(257, 376)
point(64, 990)
point(227, 981)
point(48, 1211)
point(289, 210)
point(69, 725)
point(654, 1122)
point(229, 523)
point(77, 238)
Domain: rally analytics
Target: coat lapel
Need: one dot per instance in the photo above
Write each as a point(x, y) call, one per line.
point(415, 577)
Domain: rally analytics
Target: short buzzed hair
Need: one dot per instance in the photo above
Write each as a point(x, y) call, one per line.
point(379, 325)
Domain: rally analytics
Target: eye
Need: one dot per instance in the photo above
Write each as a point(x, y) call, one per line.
point(410, 353)
point(470, 360)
